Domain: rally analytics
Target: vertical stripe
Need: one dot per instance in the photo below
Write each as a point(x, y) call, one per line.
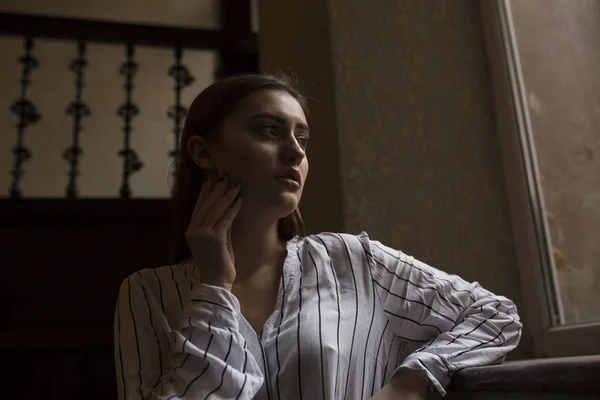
point(277, 337)
point(188, 340)
point(162, 304)
point(355, 315)
point(190, 384)
point(186, 356)
point(158, 349)
point(226, 366)
point(367, 346)
point(320, 325)
point(266, 368)
point(400, 347)
point(377, 358)
point(299, 356)
point(243, 386)
point(388, 358)
point(208, 345)
point(185, 273)
point(203, 371)
point(339, 315)
point(176, 287)
point(373, 294)
point(245, 357)
point(123, 382)
point(244, 372)
point(137, 342)
point(209, 339)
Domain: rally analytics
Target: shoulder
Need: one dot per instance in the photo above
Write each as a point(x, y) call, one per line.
point(338, 245)
point(147, 275)
point(358, 249)
point(152, 279)
point(335, 241)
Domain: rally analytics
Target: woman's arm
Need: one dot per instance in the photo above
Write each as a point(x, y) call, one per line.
point(461, 324)
point(206, 353)
point(407, 384)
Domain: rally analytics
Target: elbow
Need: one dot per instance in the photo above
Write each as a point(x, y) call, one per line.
point(497, 318)
point(510, 329)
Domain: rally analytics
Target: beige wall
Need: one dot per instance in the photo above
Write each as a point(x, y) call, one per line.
point(417, 160)
point(560, 55)
point(52, 90)
point(289, 46)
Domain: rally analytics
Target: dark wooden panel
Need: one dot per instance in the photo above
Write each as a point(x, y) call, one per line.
point(63, 262)
point(59, 374)
point(235, 20)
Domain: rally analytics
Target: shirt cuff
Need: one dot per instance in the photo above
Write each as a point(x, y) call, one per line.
point(214, 303)
point(436, 371)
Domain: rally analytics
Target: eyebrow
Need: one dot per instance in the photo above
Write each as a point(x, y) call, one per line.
point(279, 120)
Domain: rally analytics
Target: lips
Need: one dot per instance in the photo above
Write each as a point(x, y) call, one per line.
point(294, 175)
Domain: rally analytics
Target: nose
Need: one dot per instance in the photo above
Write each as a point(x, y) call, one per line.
point(293, 152)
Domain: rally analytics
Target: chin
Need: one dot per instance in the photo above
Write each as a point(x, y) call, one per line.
point(286, 210)
point(286, 204)
point(278, 203)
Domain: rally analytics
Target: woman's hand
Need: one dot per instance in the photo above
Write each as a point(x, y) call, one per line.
point(406, 385)
point(389, 394)
point(209, 232)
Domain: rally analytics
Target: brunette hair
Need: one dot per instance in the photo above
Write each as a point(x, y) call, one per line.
point(205, 116)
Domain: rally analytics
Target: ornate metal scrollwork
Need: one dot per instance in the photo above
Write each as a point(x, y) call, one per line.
point(28, 115)
point(77, 110)
point(128, 110)
point(177, 112)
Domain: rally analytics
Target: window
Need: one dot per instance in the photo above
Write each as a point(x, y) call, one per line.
point(545, 63)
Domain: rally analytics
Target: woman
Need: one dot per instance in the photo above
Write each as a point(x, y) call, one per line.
point(254, 309)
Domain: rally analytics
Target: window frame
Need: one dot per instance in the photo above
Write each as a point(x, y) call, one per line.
point(541, 314)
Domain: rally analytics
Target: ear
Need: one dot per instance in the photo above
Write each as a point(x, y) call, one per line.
point(197, 148)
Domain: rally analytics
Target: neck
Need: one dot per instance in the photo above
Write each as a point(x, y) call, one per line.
point(256, 245)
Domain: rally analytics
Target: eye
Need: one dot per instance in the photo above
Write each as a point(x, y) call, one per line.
point(268, 130)
point(303, 140)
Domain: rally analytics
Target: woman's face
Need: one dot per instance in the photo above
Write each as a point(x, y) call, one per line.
point(262, 139)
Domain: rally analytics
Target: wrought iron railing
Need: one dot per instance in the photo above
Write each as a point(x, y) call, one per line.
point(236, 45)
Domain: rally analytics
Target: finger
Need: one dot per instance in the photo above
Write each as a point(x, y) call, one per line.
point(206, 207)
point(226, 220)
point(217, 211)
point(205, 190)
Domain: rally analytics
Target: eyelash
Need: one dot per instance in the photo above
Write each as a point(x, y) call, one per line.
point(269, 127)
point(273, 132)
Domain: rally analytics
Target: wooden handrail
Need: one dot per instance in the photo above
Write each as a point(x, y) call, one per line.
point(116, 32)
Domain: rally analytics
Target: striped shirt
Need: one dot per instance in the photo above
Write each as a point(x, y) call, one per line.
point(350, 312)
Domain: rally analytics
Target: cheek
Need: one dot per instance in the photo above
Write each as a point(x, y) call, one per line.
point(251, 161)
point(304, 167)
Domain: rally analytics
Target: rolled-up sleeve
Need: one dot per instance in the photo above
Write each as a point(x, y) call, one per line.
point(459, 323)
point(202, 354)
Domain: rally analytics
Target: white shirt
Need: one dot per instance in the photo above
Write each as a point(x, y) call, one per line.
point(347, 306)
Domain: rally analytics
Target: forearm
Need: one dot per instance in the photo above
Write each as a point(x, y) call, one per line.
point(411, 381)
point(203, 346)
point(406, 384)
